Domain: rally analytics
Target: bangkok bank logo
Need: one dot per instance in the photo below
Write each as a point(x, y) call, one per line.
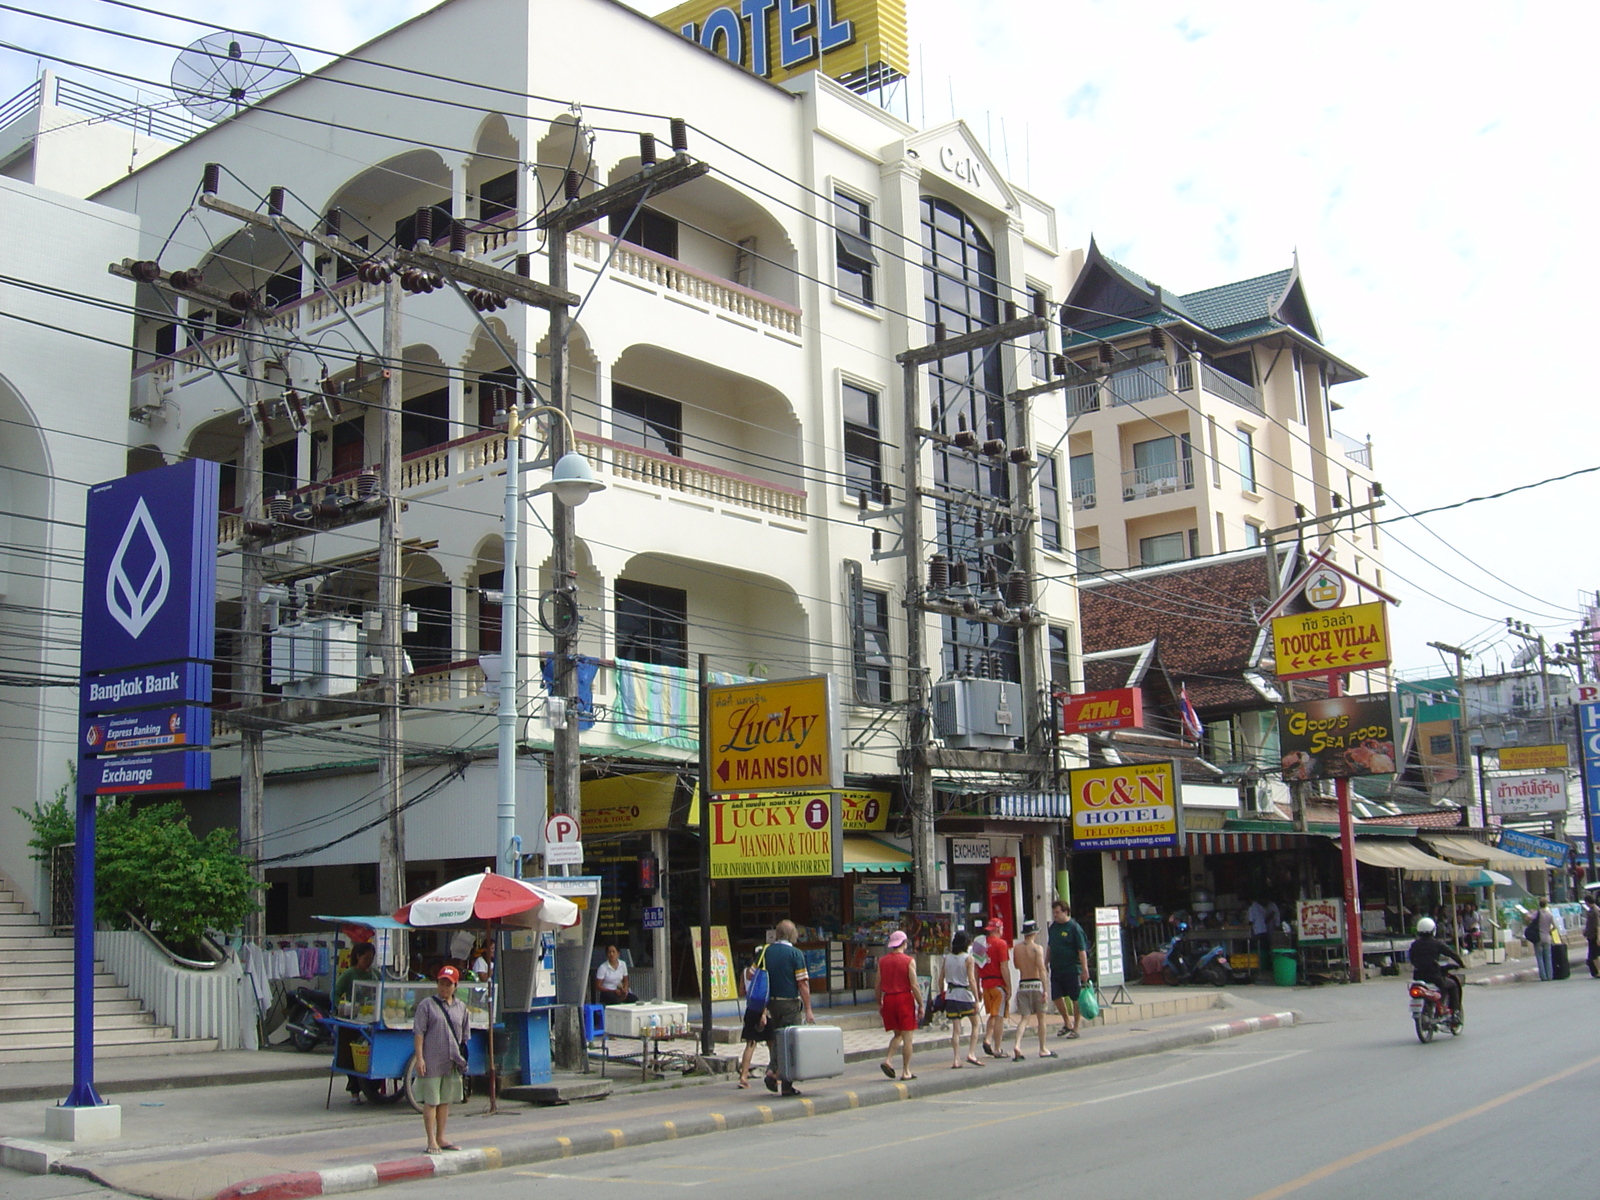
point(134, 605)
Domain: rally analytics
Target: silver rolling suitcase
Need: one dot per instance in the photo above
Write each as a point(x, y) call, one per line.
point(802, 1052)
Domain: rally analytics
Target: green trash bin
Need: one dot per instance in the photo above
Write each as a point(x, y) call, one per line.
point(1285, 967)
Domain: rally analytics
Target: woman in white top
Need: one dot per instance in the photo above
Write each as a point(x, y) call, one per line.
point(960, 999)
point(611, 980)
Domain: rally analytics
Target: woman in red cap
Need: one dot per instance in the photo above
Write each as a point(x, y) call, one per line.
point(439, 1036)
point(899, 1002)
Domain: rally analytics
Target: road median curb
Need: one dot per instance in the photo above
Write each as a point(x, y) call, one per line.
point(1531, 975)
point(298, 1185)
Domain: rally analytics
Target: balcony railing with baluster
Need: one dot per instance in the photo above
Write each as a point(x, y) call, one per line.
point(1354, 449)
point(1157, 479)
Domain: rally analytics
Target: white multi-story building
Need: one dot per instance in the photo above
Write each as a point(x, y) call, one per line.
point(735, 386)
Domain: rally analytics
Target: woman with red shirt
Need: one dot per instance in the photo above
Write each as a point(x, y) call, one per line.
point(899, 1002)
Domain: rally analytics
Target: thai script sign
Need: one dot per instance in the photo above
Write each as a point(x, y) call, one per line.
point(1512, 794)
point(771, 837)
point(1118, 708)
point(1354, 638)
point(770, 736)
point(1531, 845)
point(1533, 758)
point(154, 729)
point(778, 39)
point(1116, 808)
point(1319, 921)
point(1337, 738)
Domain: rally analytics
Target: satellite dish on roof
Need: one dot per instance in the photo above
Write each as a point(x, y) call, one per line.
point(225, 72)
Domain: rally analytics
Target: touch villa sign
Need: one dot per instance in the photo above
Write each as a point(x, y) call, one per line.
point(1353, 638)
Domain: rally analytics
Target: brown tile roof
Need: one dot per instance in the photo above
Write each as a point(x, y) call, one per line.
point(1203, 617)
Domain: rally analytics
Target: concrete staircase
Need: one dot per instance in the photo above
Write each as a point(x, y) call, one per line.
point(36, 1000)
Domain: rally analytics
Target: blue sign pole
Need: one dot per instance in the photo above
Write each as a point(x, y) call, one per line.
point(1589, 742)
point(83, 1094)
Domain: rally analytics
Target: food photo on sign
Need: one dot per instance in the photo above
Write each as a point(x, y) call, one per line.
point(1338, 738)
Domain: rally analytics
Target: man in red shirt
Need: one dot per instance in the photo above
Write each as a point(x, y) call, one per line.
point(995, 979)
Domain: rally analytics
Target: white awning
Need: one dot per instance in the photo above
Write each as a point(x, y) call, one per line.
point(1399, 855)
point(1470, 850)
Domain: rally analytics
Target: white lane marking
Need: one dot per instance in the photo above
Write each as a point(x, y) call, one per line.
point(615, 1179)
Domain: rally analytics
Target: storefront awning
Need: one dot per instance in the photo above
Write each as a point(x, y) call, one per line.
point(863, 853)
point(1395, 855)
point(1477, 854)
point(1219, 843)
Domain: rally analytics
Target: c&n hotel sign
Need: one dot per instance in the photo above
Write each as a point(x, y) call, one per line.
point(861, 43)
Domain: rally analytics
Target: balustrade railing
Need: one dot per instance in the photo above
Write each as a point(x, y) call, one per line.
point(673, 276)
point(696, 479)
point(1354, 449)
point(1157, 478)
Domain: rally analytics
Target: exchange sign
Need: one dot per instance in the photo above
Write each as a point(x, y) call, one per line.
point(1338, 738)
point(776, 735)
point(1354, 638)
point(1118, 808)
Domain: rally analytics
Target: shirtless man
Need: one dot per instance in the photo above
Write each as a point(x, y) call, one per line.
point(1029, 960)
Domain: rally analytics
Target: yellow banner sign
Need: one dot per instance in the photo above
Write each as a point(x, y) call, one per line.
point(1532, 758)
point(776, 735)
point(1354, 638)
point(724, 985)
point(854, 41)
point(772, 837)
point(1120, 808)
point(627, 803)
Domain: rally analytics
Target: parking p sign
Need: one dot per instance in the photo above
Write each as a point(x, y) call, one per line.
point(563, 841)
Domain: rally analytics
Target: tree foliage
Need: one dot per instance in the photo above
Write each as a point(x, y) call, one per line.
point(148, 862)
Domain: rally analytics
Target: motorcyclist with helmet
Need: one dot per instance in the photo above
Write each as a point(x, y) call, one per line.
point(1430, 961)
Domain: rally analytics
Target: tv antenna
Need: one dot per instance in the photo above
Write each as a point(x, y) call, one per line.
point(225, 72)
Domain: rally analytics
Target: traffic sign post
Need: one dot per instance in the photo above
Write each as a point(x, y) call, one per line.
point(563, 841)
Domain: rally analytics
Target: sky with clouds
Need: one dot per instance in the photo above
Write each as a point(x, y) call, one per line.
point(1425, 160)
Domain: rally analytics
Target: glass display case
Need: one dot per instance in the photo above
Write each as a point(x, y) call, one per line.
point(392, 1003)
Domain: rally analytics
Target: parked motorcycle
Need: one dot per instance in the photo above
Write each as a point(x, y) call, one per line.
point(1184, 965)
point(1430, 1012)
point(307, 1007)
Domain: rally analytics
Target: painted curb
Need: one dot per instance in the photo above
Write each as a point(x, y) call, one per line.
point(301, 1184)
point(1531, 975)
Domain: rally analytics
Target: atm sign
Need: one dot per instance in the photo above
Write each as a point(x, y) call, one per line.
point(1118, 708)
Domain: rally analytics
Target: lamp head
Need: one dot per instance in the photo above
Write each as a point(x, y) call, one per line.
point(573, 481)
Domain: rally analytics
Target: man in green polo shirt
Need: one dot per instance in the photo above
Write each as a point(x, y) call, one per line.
point(789, 1001)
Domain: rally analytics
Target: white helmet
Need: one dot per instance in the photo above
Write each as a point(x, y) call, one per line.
point(1426, 925)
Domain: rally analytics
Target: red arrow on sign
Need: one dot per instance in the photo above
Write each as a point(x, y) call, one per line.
point(722, 770)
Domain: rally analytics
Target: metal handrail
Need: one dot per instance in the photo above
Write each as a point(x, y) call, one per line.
point(22, 102)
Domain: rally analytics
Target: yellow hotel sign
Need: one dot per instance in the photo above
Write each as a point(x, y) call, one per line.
point(777, 735)
point(1532, 758)
point(848, 40)
point(1353, 638)
point(771, 837)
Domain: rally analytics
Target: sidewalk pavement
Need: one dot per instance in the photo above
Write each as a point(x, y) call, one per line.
point(274, 1140)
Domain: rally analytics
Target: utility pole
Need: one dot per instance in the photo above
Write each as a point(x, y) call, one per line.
point(916, 761)
point(1524, 631)
point(250, 492)
point(1463, 761)
point(391, 753)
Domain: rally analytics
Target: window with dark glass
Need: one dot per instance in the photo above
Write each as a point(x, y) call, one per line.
point(1163, 548)
point(1247, 460)
point(347, 449)
point(855, 260)
point(497, 393)
point(430, 644)
point(425, 421)
point(497, 197)
point(280, 468)
point(1038, 343)
point(873, 664)
point(489, 613)
point(405, 229)
point(166, 340)
point(863, 441)
point(1083, 493)
point(652, 624)
point(647, 229)
point(1060, 659)
point(283, 287)
point(1089, 560)
point(642, 418)
point(1049, 503)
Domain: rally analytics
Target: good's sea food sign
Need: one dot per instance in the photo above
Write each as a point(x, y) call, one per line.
point(1118, 808)
point(778, 39)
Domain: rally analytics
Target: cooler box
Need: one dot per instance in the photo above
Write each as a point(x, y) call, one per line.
point(803, 1052)
point(643, 1017)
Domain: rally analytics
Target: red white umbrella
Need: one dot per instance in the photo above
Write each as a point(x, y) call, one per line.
point(490, 897)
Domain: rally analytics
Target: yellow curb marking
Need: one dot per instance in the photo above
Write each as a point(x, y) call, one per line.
point(905, 1092)
point(618, 1139)
point(491, 1158)
point(672, 1129)
point(810, 1106)
point(766, 1113)
point(720, 1121)
point(566, 1146)
point(855, 1101)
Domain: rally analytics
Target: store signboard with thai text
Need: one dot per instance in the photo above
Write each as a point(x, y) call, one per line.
point(1531, 845)
point(1118, 808)
point(1533, 758)
point(1353, 638)
point(775, 837)
point(1319, 921)
point(1089, 712)
point(1512, 794)
point(1589, 743)
point(1338, 738)
point(773, 735)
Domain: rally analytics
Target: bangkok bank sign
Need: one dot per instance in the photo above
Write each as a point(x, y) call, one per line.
point(850, 40)
point(1119, 808)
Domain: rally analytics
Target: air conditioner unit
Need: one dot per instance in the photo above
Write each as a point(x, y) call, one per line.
point(149, 396)
point(977, 714)
point(1087, 501)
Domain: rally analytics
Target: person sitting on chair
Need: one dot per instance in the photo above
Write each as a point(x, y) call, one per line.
point(611, 980)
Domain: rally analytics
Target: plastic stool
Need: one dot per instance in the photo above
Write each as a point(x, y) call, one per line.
point(594, 1021)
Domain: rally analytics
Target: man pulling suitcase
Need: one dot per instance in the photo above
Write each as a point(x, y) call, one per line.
point(788, 1003)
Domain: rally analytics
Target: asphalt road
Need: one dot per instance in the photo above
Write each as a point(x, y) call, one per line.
point(1348, 1104)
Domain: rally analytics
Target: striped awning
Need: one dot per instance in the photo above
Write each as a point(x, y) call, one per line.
point(1219, 843)
point(868, 854)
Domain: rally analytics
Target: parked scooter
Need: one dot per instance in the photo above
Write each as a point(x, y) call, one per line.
point(307, 1007)
point(1182, 965)
point(1430, 1012)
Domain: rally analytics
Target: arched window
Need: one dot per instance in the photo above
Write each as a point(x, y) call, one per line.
point(967, 392)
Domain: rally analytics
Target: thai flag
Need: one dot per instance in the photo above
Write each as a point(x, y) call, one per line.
point(1191, 719)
